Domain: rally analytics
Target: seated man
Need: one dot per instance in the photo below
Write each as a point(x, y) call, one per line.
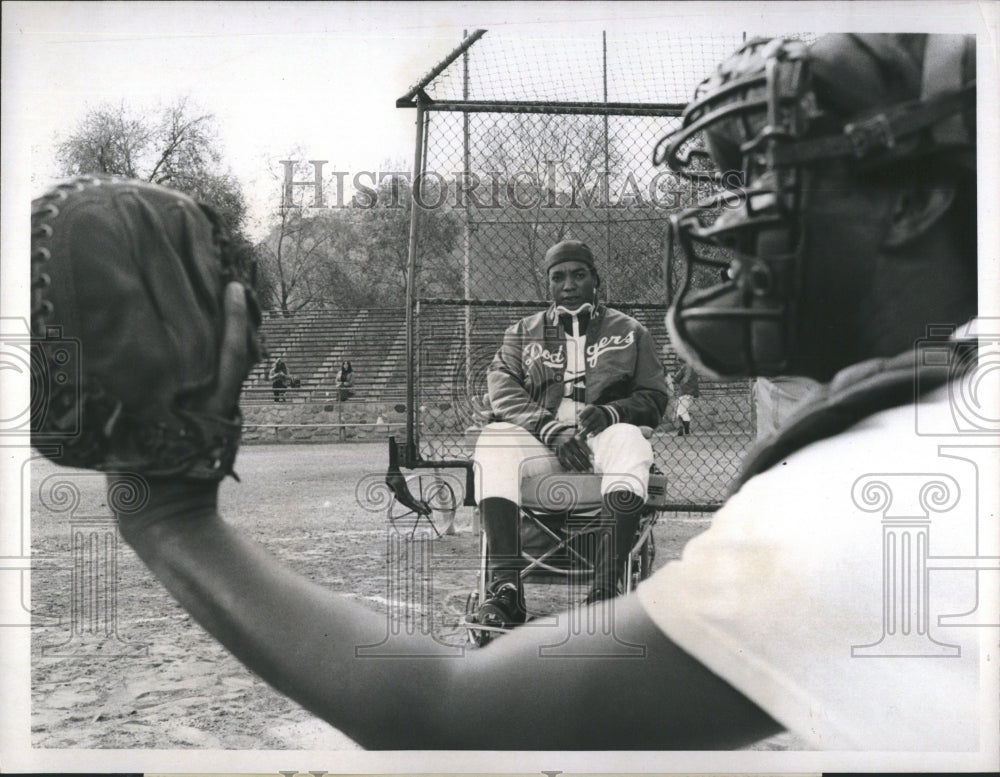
point(569, 388)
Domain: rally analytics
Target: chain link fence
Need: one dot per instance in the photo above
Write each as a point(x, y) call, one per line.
point(527, 143)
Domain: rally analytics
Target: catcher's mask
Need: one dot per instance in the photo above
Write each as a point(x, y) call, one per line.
point(769, 112)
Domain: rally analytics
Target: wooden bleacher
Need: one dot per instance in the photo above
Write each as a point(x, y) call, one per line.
point(313, 344)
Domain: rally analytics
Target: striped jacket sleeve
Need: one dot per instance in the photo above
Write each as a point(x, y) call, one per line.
point(647, 396)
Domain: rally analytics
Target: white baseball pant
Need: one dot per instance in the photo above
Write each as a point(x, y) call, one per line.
point(505, 453)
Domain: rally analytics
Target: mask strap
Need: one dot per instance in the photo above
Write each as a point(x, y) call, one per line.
point(943, 56)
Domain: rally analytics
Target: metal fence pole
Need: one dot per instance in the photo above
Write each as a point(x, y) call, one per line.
point(467, 237)
point(411, 286)
point(607, 159)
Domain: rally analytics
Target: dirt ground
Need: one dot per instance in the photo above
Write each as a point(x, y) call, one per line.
point(122, 666)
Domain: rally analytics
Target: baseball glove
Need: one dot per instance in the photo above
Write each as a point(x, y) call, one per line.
point(128, 281)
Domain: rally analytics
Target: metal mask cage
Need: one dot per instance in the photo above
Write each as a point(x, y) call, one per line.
point(760, 95)
point(759, 114)
point(748, 289)
point(758, 101)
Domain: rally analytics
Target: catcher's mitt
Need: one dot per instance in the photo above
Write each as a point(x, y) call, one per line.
point(128, 281)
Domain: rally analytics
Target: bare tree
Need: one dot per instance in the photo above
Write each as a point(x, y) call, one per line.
point(295, 255)
point(356, 256)
point(176, 145)
point(553, 173)
point(107, 140)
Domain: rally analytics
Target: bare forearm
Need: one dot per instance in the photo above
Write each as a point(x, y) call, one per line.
point(551, 689)
point(518, 693)
point(297, 636)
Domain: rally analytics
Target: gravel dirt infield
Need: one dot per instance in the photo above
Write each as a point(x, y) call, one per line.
point(157, 680)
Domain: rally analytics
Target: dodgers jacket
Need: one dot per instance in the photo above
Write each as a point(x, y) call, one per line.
point(623, 372)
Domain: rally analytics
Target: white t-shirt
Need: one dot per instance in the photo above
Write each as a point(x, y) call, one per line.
point(796, 593)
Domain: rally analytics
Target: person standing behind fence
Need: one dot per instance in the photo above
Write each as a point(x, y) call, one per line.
point(345, 381)
point(685, 381)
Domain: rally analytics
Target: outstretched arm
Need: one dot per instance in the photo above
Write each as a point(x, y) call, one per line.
point(302, 638)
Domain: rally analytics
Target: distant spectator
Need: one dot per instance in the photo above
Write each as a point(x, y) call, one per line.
point(685, 381)
point(345, 380)
point(280, 380)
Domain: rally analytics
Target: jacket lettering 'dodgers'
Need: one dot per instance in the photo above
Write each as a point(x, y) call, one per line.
point(623, 373)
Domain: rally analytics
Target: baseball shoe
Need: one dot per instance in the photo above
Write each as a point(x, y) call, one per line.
point(600, 595)
point(504, 608)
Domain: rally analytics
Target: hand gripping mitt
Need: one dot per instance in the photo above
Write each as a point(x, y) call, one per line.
point(127, 314)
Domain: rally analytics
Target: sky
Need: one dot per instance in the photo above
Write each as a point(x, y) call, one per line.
point(320, 78)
